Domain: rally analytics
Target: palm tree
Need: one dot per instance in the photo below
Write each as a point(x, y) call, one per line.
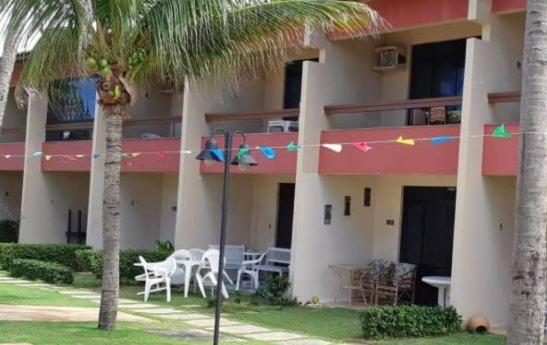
point(526, 325)
point(158, 43)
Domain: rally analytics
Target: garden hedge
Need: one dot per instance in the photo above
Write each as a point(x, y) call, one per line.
point(91, 260)
point(408, 321)
point(64, 254)
point(47, 271)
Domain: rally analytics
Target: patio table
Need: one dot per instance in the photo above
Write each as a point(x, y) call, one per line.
point(346, 274)
point(188, 271)
point(443, 286)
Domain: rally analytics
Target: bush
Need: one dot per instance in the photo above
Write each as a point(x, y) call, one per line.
point(46, 271)
point(92, 261)
point(274, 292)
point(9, 231)
point(409, 321)
point(64, 254)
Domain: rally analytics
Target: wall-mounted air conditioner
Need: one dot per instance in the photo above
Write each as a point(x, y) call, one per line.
point(390, 58)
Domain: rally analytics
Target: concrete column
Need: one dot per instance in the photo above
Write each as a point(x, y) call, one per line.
point(96, 182)
point(483, 231)
point(38, 225)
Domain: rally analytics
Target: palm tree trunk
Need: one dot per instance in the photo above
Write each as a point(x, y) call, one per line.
point(111, 218)
point(526, 325)
point(6, 70)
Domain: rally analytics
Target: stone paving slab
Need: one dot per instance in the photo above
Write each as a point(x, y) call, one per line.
point(12, 281)
point(196, 335)
point(211, 323)
point(305, 342)
point(136, 306)
point(156, 311)
point(274, 336)
point(57, 314)
point(185, 317)
point(77, 292)
point(244, 329)
point(36, 285)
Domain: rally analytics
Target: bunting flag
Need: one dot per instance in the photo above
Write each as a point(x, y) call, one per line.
point(267, 151)
point(361, 145)
point(441, 140)
point(7, 156)
point(135, 154)
point(80, 156)
point(125, 155)
point(48, 157)
point(160, 154)
point(37, 154)
point(292, 147)
point(333, 147)
point(96, 155)
point(500, 132)
point(403, 141)
point(243, 151)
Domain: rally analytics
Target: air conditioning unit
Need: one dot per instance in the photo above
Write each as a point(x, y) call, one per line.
point(390, 58)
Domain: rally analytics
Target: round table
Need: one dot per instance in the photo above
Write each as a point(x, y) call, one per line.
point(442, 284)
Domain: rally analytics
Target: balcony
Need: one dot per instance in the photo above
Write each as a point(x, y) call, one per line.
point(500, 156)
point(387, 156)
point(12, 156)
point(283, 163)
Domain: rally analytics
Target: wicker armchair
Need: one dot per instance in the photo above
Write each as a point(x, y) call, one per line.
point(400, 288)
point(375, 273)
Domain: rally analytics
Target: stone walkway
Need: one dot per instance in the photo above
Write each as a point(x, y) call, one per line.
point(200, 326)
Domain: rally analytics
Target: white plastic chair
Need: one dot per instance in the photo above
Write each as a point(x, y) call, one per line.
point(180, 256)
point(250, 268)
point(207, 273)
point(157, 277)
point(197, 256)
point(278, 261)
point(233, 254)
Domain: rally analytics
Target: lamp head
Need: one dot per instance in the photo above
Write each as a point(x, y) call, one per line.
point(211, 153)
point(243, 158)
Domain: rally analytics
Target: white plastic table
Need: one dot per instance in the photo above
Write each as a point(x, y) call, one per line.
point(188, 271)
point(442, 284)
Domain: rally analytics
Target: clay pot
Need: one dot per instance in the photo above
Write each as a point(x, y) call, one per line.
point(478, 324)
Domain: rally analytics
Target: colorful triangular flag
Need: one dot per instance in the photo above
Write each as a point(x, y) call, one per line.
point(135, 154)
point(218, 154)
point(500, 132)
point(48, 157)
point(96, 155)
point(292, 147)
point(7, 156)
point(79, 156)
point(441, 140)
point(361, 145)
point(243, 151)
point(333, 147)
point(160, 154)
point(267, 151)
point(37, 154)
point(403, 141)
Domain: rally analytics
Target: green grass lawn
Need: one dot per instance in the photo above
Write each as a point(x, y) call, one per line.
point(11, 294)
point(334, 324)
point(54, 333)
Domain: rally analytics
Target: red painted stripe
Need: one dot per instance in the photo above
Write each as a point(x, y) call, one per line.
point(500, 156)
point(401, 14)
point(283, 163)
point(67, 161)
point(391, 158)
point(12, 163)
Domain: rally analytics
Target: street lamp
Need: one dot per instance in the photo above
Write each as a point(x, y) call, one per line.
point(243, 159)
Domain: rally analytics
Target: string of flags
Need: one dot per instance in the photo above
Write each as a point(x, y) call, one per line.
point(270, 152)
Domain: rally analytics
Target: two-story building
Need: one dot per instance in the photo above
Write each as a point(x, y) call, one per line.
point(415, 174)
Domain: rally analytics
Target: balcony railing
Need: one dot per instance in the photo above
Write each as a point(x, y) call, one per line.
point(503, 97)
point(256, 115)
point(422, 103)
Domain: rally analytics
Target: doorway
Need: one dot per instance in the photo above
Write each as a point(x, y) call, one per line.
point(427, 235)
point(285, 210)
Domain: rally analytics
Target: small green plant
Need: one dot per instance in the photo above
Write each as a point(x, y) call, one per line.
point(9, 231)
point(408, 321)
point(237, 297)
point(165, 247)
point(210, 303)
point(47, 271)
point(274, 292)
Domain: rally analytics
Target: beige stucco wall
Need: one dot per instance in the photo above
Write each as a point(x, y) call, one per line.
point(484, 209)
point(11, 184)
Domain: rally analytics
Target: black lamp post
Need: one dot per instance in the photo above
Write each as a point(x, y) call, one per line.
point(243, 159)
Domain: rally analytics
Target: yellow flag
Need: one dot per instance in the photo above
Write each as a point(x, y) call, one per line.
point(135, 154)
point(48, 157)
point(410, 142)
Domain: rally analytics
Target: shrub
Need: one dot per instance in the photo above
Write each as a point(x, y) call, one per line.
point(64, 254)
point(9, 231)
point(92, 261)
point(408, 321)
point(274, 292)
point(47, 271)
